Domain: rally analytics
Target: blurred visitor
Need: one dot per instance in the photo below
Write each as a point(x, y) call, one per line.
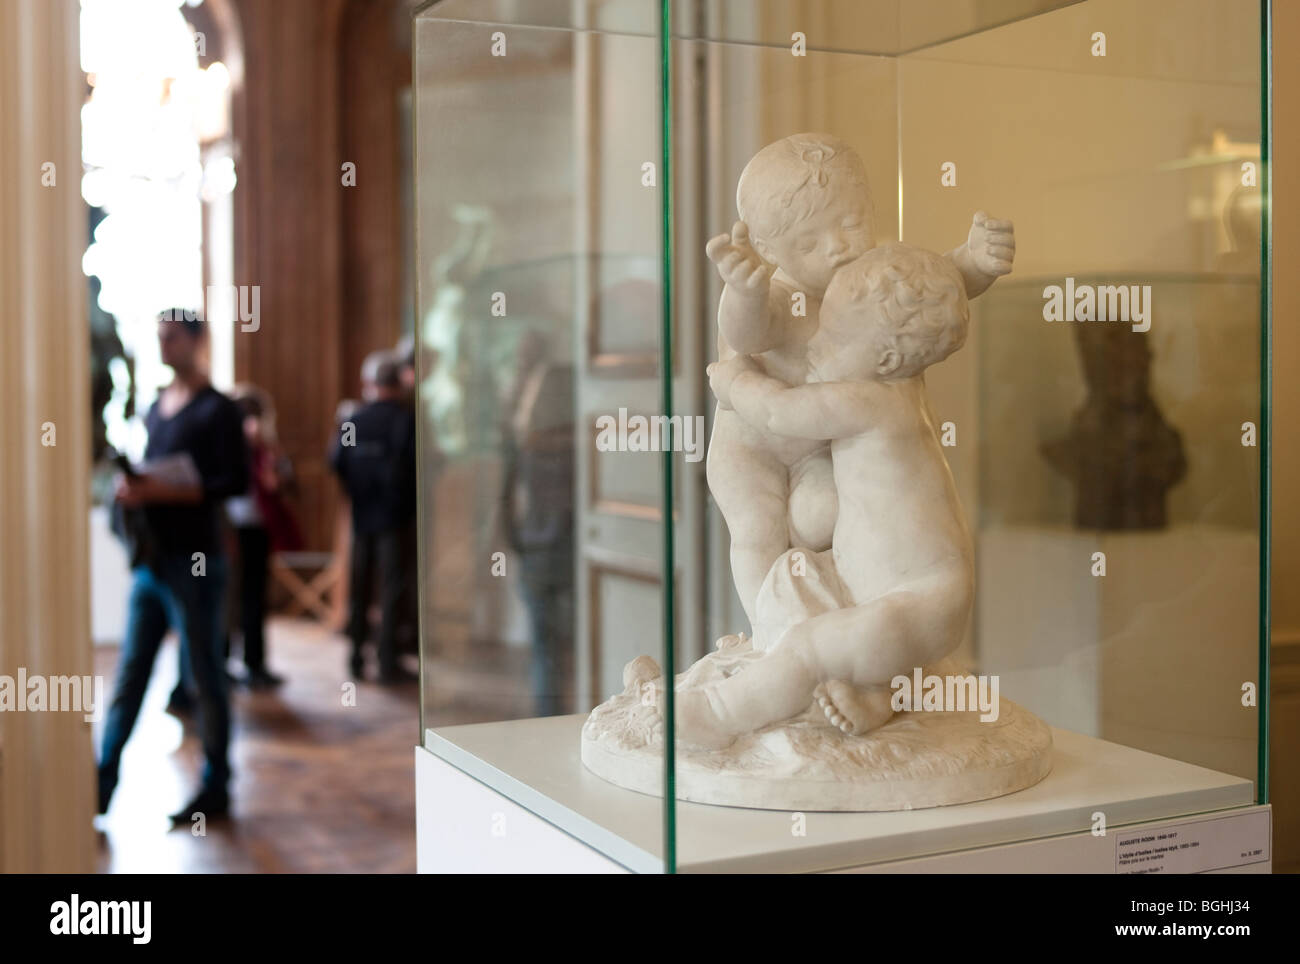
point(263, 523)
point(408, 620)
point(538, 516)
point(195, 458)
point(374, 457)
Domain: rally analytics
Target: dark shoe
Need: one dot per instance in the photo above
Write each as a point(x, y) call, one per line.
point(180, 703)
point(212, 804)
point(105, 795)
point(263, 679)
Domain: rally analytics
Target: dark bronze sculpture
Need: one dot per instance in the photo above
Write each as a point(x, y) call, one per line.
point(1120, 453)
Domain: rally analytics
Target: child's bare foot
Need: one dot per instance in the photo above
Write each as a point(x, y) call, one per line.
point(852, 710)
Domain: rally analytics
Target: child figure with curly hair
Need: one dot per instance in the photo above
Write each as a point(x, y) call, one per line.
point(894, 591)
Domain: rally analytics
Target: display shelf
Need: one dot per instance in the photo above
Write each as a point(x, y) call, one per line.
point(536, 764)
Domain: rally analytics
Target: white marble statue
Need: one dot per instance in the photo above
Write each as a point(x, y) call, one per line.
point(849, 548)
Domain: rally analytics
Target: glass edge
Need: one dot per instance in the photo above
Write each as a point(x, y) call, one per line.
point(986, 27)
point(666, 392)
point(418, 335)
point(1266, 392)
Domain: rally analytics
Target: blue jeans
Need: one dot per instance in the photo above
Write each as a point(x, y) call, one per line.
point(166, 594)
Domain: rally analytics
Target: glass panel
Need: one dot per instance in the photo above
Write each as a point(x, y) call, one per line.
point(1136, 163)
point(1109, 471)
point(540, 286)
point(886, 27)
point(607, 16)
point(1125, 174)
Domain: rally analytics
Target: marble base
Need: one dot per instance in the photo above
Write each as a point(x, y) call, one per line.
point(917, 760)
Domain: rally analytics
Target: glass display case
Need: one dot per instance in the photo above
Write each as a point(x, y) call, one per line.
point(574, 157)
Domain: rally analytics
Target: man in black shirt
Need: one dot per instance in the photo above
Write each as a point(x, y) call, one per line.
point(374, 457)
point(194, 460)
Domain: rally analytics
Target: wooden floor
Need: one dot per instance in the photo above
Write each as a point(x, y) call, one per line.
point(319, 787)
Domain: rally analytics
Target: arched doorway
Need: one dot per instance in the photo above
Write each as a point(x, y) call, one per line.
point(159, 171)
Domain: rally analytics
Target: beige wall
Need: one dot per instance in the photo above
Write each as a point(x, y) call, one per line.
point(1286, 335)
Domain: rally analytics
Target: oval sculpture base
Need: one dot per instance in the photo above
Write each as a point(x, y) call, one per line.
point(917, 759)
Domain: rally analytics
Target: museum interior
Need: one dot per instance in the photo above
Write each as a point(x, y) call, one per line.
point(501, 237)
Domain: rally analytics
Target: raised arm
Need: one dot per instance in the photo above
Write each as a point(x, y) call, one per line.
point(745, 318)
point(989, 250)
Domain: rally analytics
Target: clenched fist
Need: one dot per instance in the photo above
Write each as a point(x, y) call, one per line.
point(992, 245)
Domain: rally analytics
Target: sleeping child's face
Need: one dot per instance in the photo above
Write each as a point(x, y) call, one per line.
point(806, 202)
point(812, 250)
point(892, 313)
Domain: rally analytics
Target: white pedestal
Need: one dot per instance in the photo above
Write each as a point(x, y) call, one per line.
point(514, 797)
